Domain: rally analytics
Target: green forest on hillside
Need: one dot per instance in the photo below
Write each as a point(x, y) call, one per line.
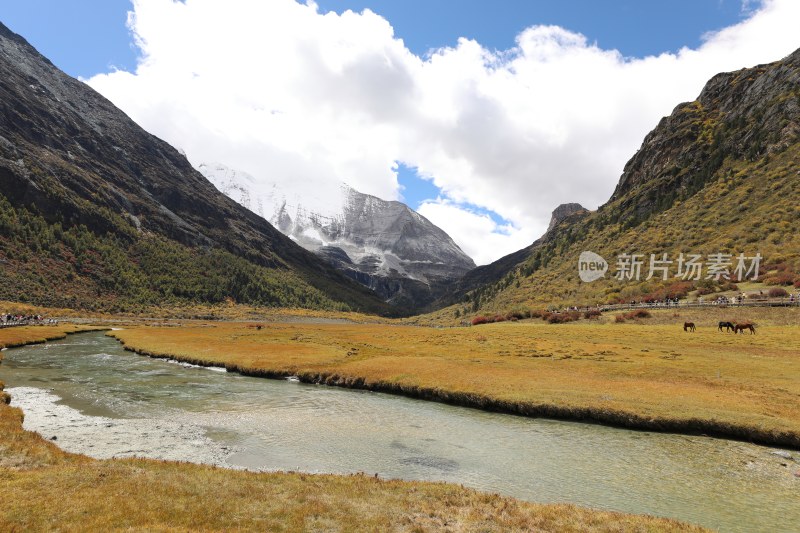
point(123, 270)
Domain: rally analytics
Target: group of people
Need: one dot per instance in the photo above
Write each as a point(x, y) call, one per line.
point(666, 302)
point(8, 319)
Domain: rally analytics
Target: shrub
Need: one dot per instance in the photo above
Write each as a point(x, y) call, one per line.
point(518, 314)
point(781, 278)
point(635, 315)
point(702, 291)
point(537, 314)
point(478, 320)
point(797, 283)
point(679, 289)
point(777, 292)
point(498, 318)
point(561, 318)
point(619, 318)
point(782, 266)
point(592, 313)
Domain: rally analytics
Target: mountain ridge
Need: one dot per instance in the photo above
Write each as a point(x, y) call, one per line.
point(385, 245)
point(69, 158)
point(720, 174)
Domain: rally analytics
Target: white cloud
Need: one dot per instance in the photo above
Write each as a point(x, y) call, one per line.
point(477, 234)
point(307, 100)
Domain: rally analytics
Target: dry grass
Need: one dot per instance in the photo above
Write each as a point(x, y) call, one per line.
point(22, 335)
point(769, 317)
point(757, 204)
point(43, 488)
point(158, 496)
point(188, 312)
point(641, 374)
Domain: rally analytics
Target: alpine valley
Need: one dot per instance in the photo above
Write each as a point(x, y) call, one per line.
point(97, 213)
point(648, 417)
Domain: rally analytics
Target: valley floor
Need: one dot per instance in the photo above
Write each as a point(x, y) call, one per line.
point(648, 374)
point(44, 488)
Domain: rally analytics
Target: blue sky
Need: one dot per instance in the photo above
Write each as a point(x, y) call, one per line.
point(634, 27)
point(501, 133)
point(86, 37)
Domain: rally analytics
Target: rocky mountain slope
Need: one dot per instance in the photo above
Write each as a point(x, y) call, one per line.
point(96, 212)
point(720, 175)
point(464, 289)
point(383, 245)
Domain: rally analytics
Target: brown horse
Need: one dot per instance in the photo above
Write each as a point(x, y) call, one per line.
point(739, 328)
point(688, 326)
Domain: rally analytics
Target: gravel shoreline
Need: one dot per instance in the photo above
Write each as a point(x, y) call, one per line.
point(105, 438)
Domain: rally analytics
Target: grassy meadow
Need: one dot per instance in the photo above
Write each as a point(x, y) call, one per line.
point(20, 336)
point(171, 312)
point(43, 488)
point(647, 373)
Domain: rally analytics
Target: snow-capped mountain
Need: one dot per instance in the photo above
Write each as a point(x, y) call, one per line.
point(382, 244)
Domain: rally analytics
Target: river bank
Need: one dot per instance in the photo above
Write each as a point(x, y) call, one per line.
point(634, 376)
point(25, 335)
point(104, 437)
point(42, 485)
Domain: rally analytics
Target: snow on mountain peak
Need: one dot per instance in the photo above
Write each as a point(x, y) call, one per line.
point(372, 236)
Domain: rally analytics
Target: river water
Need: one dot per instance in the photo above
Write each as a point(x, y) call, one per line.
point(95, 398)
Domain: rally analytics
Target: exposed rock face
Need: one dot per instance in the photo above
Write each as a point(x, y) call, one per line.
point(739, 117)
point(743, 114)
point(563, 212)
point(382, 244)
point(69, 155)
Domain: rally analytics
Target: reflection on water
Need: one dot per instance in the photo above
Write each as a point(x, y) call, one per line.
point(265, 424)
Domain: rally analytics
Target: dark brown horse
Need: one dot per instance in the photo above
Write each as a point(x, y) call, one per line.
point(739, 328)
point(688, 326)
point(727, 325)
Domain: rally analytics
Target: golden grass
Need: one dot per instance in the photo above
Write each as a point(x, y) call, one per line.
point(43, 488)
point(223, 311)
point(757, 204)
point(22, 335)
point(652, 376)
point(159, 496)
point(773, 318)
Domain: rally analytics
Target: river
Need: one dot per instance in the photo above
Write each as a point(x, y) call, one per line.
point(98, 399)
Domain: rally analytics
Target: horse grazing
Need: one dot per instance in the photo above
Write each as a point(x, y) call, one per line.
point(728, 325)
point(739, 328)
point(688, 326)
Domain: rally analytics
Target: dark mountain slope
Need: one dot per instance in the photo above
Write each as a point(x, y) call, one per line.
point(719, 175)
point(497, 273)
point(73, 164)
